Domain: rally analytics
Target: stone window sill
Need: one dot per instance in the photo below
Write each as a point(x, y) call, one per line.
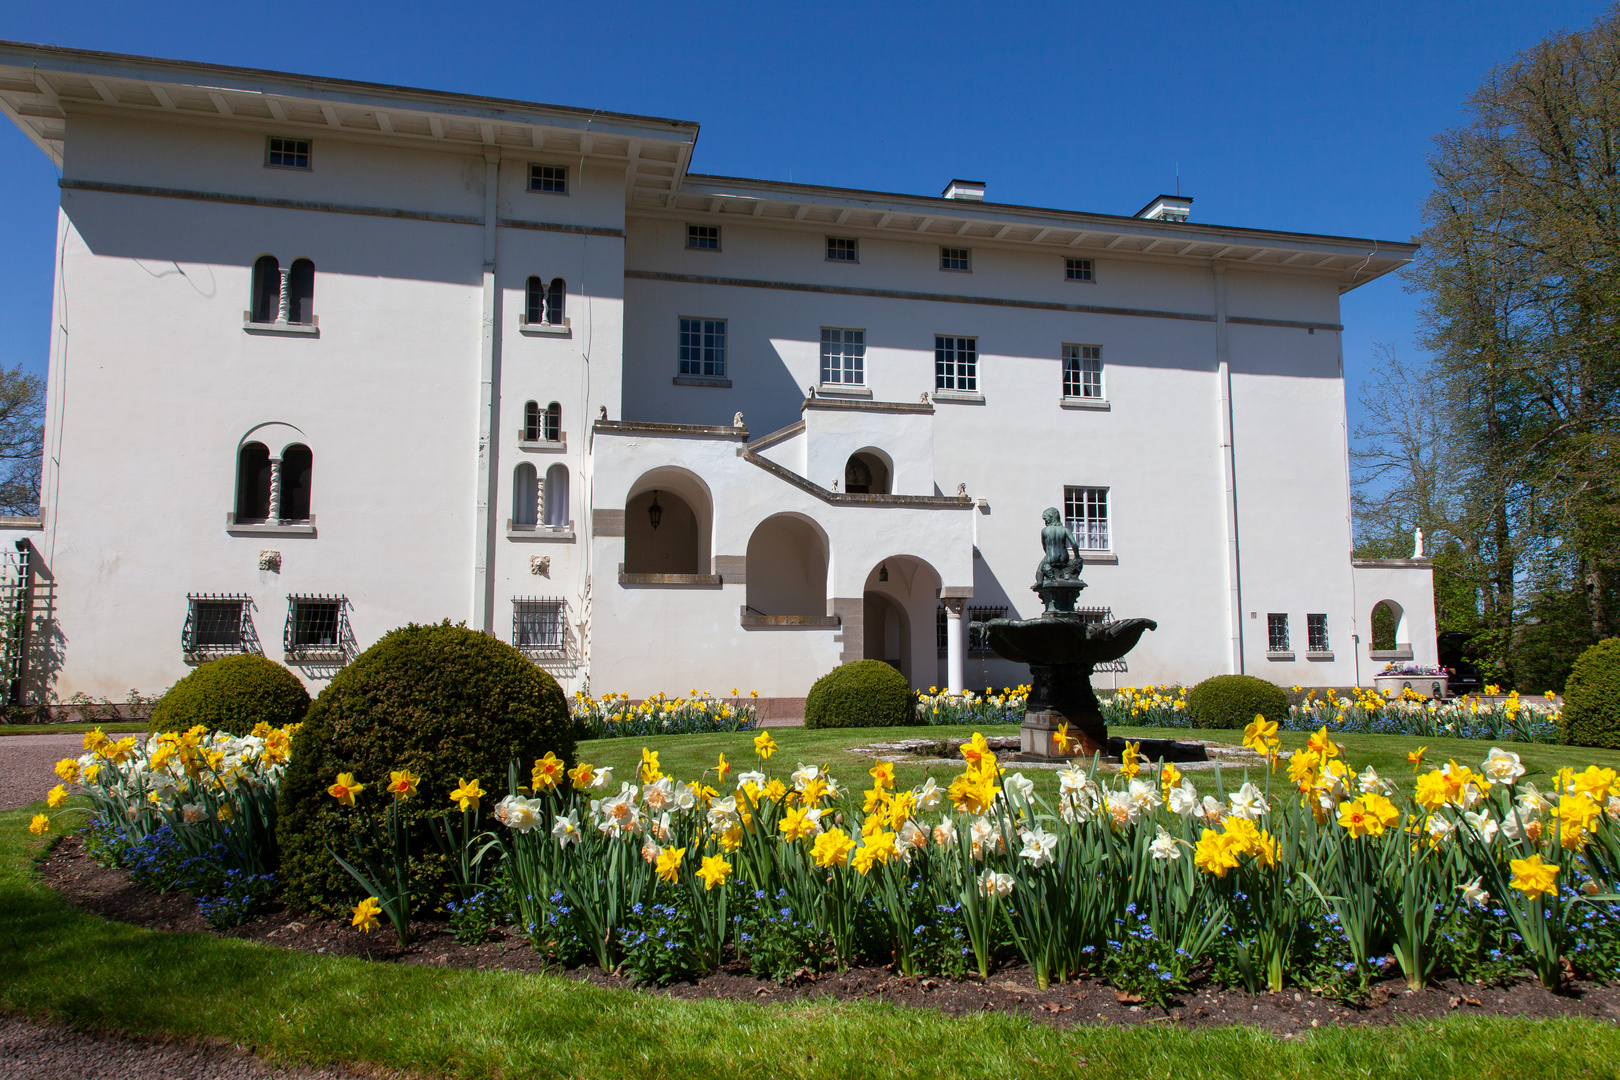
point(309, 329)
point(1109, 557)
point(546, 329)
point(701, 380)
point(668, 579)
point(1325, 655)
point(1279, 656)
point(1404, 652)
point(1100, 404)
point(544, 445)
point(842, 390)
point(268, 528)
point(965, 397)
point(754, 621)
point(563, 534)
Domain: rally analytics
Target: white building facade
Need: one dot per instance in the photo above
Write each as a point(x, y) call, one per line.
point(332, 357)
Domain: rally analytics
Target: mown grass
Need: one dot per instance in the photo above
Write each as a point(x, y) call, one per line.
point(686, 756)
point(122, 727)
point(58, 963)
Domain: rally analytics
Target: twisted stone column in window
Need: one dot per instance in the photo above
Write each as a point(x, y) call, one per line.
point(275, 466)
point(283, 305)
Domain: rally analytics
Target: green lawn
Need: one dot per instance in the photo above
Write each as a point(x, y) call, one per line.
point(59, 963)
point(122, 727)
point(685, 756)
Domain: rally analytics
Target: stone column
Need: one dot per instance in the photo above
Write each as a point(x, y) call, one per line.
point(273, 511)
point(955, 646)
point(284, 305)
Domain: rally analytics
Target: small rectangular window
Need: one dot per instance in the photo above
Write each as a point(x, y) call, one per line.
point(703, 237)
point(1077, 269)
point(955, 258)
point(287, 153)
point(549, 178)
point(956, 363)
point(217, 624)
point(1085, 512)
point(1276, 632)
point(539, 625)
point(703, 347)
point(843, 249)
point(316, 624)
point(1082, 371)
point(843, 356)
point(1316, 633)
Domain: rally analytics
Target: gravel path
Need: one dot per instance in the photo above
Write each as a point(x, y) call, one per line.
point(51, 1052)
point(28, 763)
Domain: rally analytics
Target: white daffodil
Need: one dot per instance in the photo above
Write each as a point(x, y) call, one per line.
point(602, 778)
point(517, 813)
point(1164, 845)
point(1020, 785)
point(1482, 824)
point(945, 833)
point(1184, 799)
point(1144, 795)
point(659, 795)
point(1073, 778)
point(685, 796)
point(1210, 809)
point(1473, 894)
point(803, 775)
point(1039, 846)
point(929, 796)
point(1440, 827)
point(722, 813)
point(566, 829)
point(1371, 784)
point(996, 885)
point(1502, 766)
point(1248, 803)
point(755, 778)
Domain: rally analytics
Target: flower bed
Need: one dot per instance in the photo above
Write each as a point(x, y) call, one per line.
point(616, 715)
point(1007, 707)
point(1512, 719)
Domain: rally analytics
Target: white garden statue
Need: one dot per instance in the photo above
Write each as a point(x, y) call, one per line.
point(1417, 542)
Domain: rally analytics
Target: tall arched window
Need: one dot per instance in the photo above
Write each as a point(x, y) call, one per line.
point(266, 289)
point(534, 300)
point(253, 482)
point(553, 427)
point(525, 495)
point(297, 469)
point(301, 292)
point(531, 421)
point(557, 495)
point(556, 301)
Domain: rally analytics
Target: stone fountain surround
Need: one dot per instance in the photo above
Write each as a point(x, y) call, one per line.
point(1201, 755)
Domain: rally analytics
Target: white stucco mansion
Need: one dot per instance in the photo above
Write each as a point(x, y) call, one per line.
point(329, 357)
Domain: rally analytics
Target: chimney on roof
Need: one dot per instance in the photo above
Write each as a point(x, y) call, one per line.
point(1167, 208)
point(971, 190)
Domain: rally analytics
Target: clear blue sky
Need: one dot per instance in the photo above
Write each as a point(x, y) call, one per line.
point(1313, 117)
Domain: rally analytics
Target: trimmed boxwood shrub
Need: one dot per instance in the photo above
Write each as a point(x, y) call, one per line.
point(232, 694)
point(1233, 701)
point(1591, 714)
point(444, 702)
point(866, 693)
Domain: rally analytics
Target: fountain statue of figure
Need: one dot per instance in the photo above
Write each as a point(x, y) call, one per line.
point(1061, 648)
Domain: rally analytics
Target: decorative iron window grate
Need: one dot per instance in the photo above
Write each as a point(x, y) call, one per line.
point(1276, 632)
point(1316, 634)
point(978, 643)
point(218, 624)
point(540, 625)
point(316, 625)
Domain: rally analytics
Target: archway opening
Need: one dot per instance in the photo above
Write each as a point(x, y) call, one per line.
point(886, 633)
point(667, 523)
point(1388, 624)
point(787, 567)
point(867, 473)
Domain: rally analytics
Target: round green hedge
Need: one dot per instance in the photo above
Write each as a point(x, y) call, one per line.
point(444, 702)
point(1233, 701)
point(866, 693)
point(233, 694)
point(1591, 715)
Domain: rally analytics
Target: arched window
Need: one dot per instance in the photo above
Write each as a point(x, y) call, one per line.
point(266, 289)
point(253, 482)
point(301, 292)
point(557, 495)
point(297, 468)
point(534, 300)
point(525, 492)
point(556, 300)
point(866, 473)
point(553, 427)
point(531, 421)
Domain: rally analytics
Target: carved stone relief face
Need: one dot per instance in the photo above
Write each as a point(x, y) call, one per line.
point(540, 565)
point(270, 560)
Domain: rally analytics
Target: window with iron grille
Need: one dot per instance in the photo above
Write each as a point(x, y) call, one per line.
point(1276, 632)
point(1082, 371)
point(978, 641)
point(703, 237)
point(703, 347)
point(549, 178)
point(539, 624)
point(956, 363)
point(1077, 269)
point(287, 153)
point(1085, 512)
point(1316, 635)
point(217, 624)
point(316, 624)
point(843, 249)
point(955, 258)
point(843, 355)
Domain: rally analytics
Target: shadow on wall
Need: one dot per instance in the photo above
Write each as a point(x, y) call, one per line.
point(787, 567)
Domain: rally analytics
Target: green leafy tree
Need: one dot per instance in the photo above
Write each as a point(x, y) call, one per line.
point(22, 417)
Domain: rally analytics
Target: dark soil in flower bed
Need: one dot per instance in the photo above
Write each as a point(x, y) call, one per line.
point(110, 894)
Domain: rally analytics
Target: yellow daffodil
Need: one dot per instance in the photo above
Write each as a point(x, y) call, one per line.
point(1324, 746)
point(650, 772)
point(878, 848)
point(1128, 761)
point(68, 770)
point(1533, 877)
point(582, 775)
point(1432, 791)
point(1414, 758)
point(875, 798)
point(467, 795)
point(548, 773)
point(1062, 739)
point(56, 796)
point(669, 864)
point(723, 767)
point(344, 789)
point(1214, 853)
point(38, 824)
point(402, 784)
point(775, 790)
point(713, 871)
point(365, 915)
point(1259, 734)
point(882, 774)
point(764, 745)
point(1169, 777)
point(797, 824)
point(832, 848)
